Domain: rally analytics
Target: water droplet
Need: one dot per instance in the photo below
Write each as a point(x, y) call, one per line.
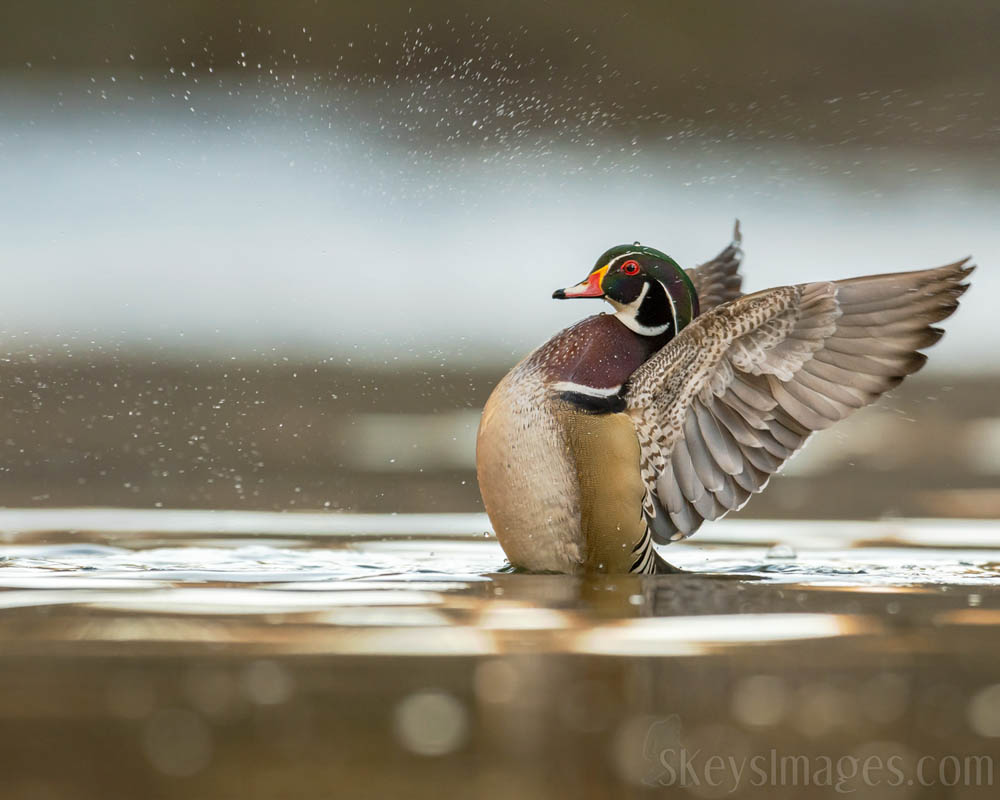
point(781, 551)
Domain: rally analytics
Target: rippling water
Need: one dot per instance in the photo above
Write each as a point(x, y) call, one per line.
point(386, 572)
point(173, 653)
point(136, 550)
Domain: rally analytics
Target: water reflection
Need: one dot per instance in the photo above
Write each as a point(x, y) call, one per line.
point(365, 588)
point(325, 657)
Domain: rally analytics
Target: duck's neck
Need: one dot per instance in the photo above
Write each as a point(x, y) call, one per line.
point(652, 313)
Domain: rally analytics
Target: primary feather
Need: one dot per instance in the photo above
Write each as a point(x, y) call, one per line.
point(723, 405)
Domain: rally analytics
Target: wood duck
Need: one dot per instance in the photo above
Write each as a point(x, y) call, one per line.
point(631, 429)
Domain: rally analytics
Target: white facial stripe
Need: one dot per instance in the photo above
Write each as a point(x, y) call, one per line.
point(633, 307)
point(618, 259)
point(642, 330)
point(579, 388)
point(628, 313)
point(670, 299)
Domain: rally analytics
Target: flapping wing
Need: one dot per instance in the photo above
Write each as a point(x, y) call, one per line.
point(723, 405)
point(718, 281)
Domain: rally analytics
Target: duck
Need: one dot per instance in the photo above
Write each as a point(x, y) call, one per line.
point(628, 430)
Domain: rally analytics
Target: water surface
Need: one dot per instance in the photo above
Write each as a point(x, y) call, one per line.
point(174, 653)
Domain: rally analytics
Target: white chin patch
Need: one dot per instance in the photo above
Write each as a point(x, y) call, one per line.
point(627, 314)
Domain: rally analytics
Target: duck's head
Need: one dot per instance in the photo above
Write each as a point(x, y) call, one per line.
point(651, 294)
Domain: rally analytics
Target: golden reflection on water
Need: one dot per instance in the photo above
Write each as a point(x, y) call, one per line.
point(320, 667)
point(610, 616)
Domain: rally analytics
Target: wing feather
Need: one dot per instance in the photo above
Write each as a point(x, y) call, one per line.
point(847, 395)
point(709, 473)
point(668, 489)
point(718, 281)
point(729, 400)
point(690, 484)
point(786, 434)
point(722, 446)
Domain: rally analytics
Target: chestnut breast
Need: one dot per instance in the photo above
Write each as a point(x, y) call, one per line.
point(598, 352)
point(542, 446)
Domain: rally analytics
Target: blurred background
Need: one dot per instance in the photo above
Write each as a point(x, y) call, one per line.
point(275, 256)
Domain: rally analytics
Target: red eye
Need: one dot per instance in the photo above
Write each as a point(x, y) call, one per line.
point(630, 267)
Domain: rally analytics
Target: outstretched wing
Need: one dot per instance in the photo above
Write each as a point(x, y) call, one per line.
point(724, 404)
point(718, 281)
